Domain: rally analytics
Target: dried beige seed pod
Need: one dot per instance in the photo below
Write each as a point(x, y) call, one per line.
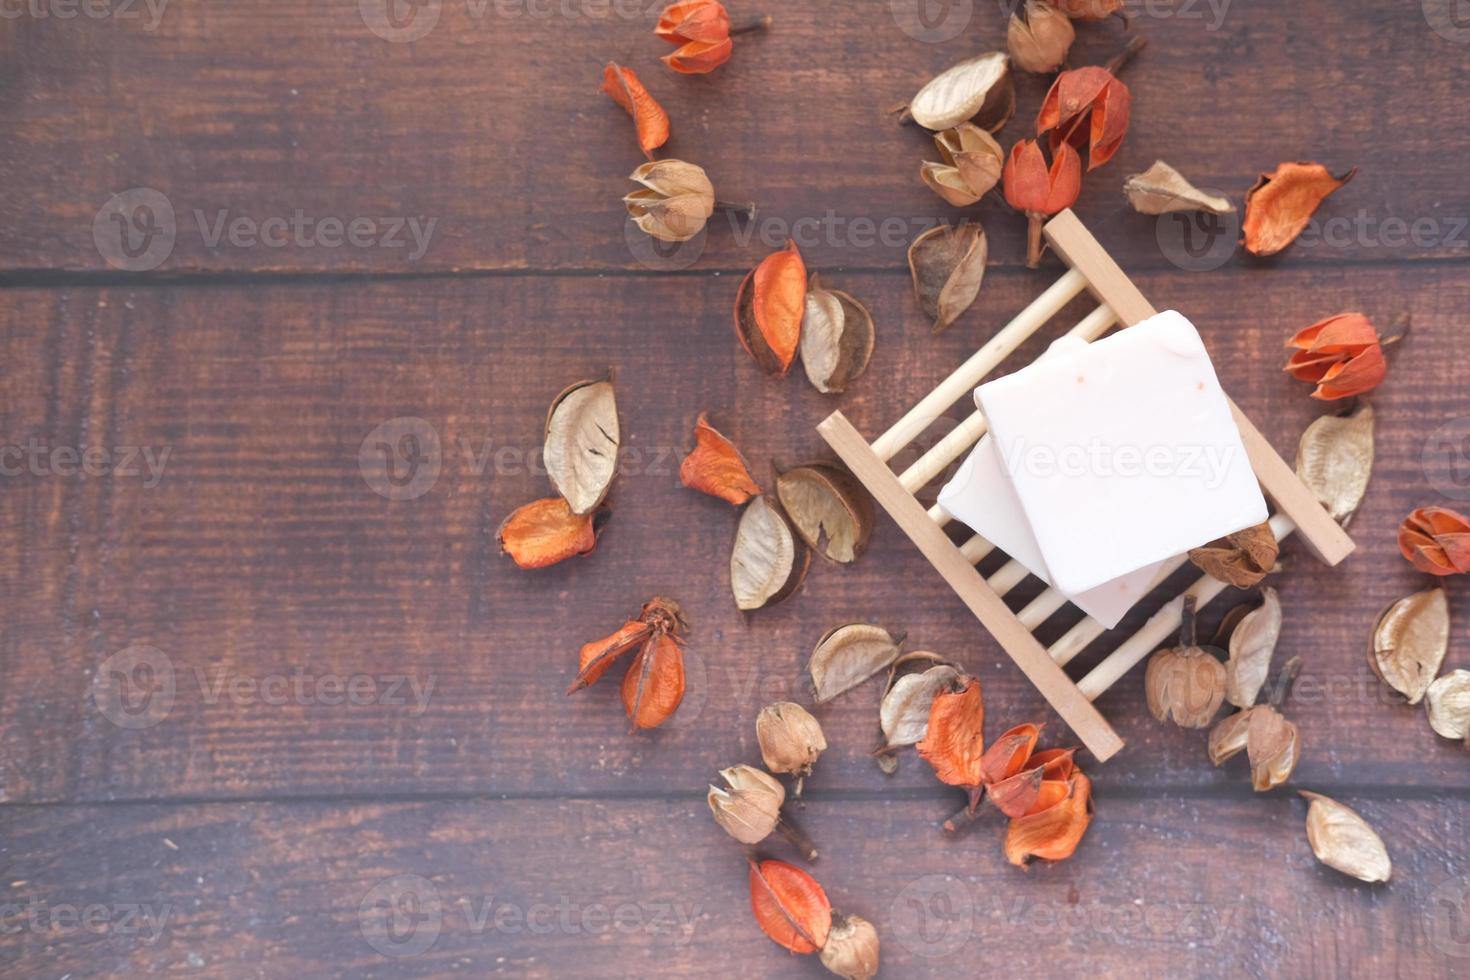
point(978, 88)
point(971, 164)
point(1273, 746)
point(1228, 737)
point(1344, 841)
point(1039, 37)
point(1335, 459)
point(851, 950)
point(1410, 641)
point(750, 809)
point(1448, 703)
point(1252, 643)
point(675, 202)
point(790, 738)
point(1161, 189)
point(1185, 683)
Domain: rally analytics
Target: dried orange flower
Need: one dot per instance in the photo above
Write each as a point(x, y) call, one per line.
point(1032, 187)
point(1093, 96)
point(789, 906)
point(702, 29)
point(714, 466)
point(769, 307)
point(1281, 203)
point(675, 202)
point(545, 532)
point(650, 118)
point(1436, 540)
point(1054, 825)
point(1341, 355)
point(654, 684)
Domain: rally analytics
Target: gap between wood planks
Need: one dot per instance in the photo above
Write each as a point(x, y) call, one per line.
point(67, 279)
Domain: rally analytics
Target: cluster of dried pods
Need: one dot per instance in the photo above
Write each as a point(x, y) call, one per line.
point(817, 507)
point(580, 450)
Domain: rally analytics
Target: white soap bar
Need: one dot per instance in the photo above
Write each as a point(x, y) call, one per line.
point(1123, 453)
point(981, 496)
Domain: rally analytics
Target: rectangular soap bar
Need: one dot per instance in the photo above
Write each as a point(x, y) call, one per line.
point(1123, 453)
point(981, 496)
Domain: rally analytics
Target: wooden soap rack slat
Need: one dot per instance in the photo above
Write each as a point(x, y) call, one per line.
point(1120, 302)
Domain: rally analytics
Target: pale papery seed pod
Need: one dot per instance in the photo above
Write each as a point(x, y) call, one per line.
point(750, 809)
point(791, 740)
point(1039, 37)
point(1274, 747)
point(675, 202)
point(1448, 704)
point(851, 950)
point(1185, 683)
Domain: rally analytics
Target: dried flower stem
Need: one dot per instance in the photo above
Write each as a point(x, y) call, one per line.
point(1117, 62)
point(797, 837)
point(750, 24)
point(747, 209)
point(1284, 680)
point(1399, 330)
point(1034, 221)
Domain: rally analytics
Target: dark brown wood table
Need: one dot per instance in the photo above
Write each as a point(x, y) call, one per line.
point(265, 714)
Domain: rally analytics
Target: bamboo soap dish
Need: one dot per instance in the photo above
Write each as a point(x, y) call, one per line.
point(1294, 507)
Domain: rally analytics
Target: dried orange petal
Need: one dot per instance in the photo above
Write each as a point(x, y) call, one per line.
point(789, 906)
point(1009, 753)
point(716, 467)
point(545, 532)
point(627, 91)
point(769, 308)
point(654, 683)
point(955, 741)
point(1281, 203)
point(1052, 833)
point(596, 657)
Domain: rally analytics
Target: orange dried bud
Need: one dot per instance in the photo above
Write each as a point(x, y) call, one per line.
point(650, 118)
point(1033, 187)
point(1436, 540)
point(1281, 203)
point(1056, 823)
point(596, 657)
point(955, 741)
point(654, 684)
point(545, 532)
point(702, 29)
point(1009, 754)
point(1089, 95)
point(716, 467)
point(789, 906)
point(1341, 355)
point(769, 308)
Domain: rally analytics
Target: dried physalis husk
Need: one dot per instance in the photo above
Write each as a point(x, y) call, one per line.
point(1436, 540)
point(1335, 459)
point(790, 738)
point(971, 164)
point(1342, 840)
point(851, 950)
point(653, 687)
point(948, 264)
point(904, 713)
point(1039, 37)
point(769, 307)
point(846, 656)
point(649, 117)
point(581, 447)
point(545, 532)
point(836, 338)
point(1409, 642)
point(1161, 189)
point(768, 561)
point(1448, 703)
point(750, 809)
point(1185, 683)
point(1252, 643)
point(1281, 203)
point(789, 906)
point(675, 202)
point(828, 508)
point(716, 467)
point(1241, 559)
point(954, 744)
point(1273, 747)
point(978, 88)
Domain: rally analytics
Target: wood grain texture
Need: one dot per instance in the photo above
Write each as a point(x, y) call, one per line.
point(263, 550)
point(651, 887)
point(492, 125)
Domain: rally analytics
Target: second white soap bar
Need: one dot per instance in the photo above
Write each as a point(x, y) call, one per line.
point(1123, 453)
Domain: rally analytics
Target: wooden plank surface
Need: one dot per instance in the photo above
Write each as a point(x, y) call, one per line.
point(492, 126)
point(362, 688)
point(504, 889)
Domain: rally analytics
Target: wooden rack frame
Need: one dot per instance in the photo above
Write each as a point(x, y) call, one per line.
point(1120, 302)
